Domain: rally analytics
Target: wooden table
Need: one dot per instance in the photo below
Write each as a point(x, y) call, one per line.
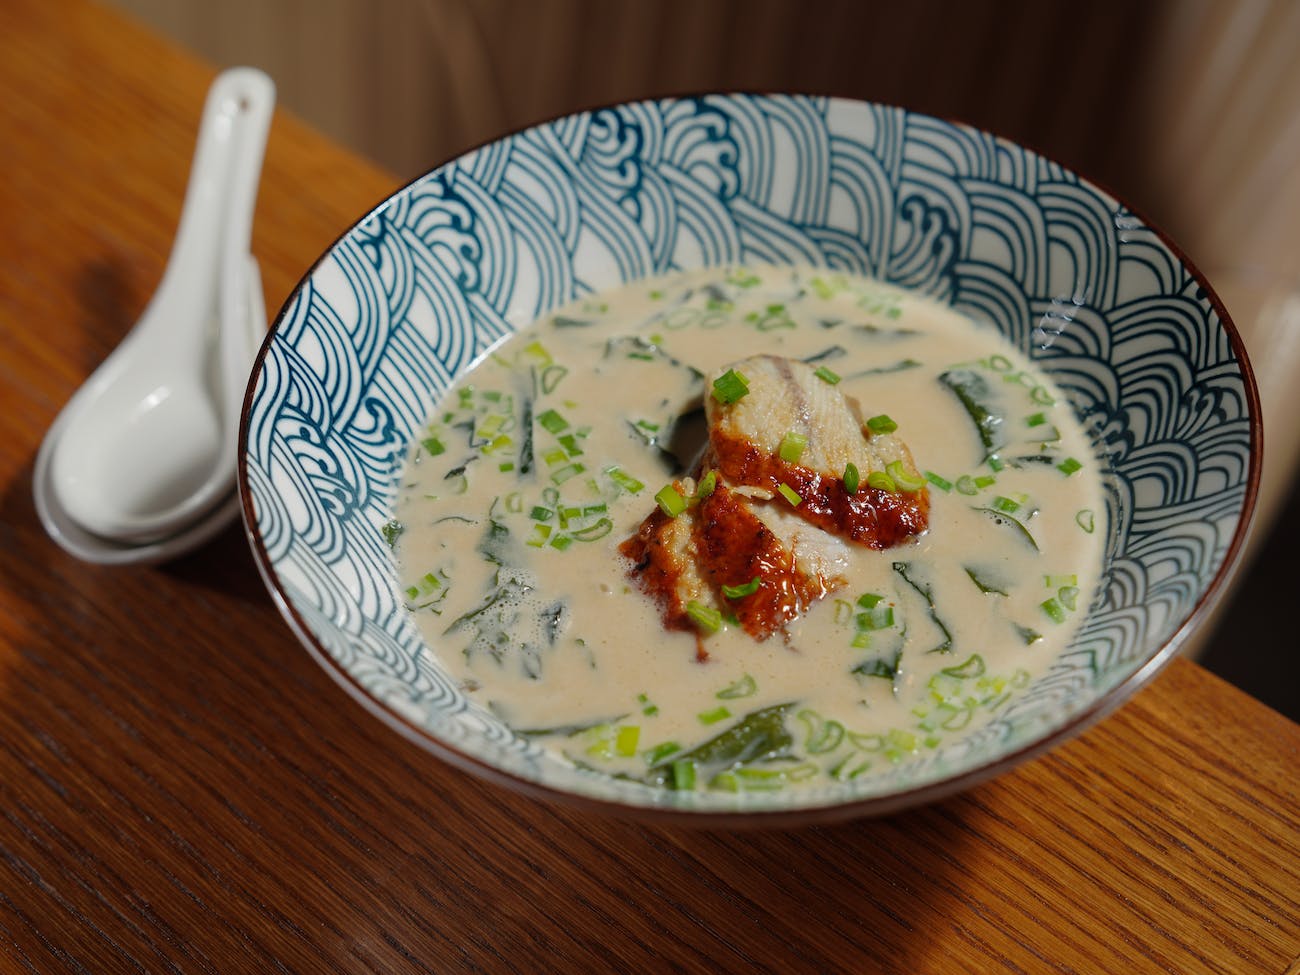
point(183, 789)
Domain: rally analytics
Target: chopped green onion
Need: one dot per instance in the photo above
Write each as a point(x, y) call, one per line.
point(881, 424)
point(966, 485)
point(789, 494)
point(792, 445)
point(996, 462)
point(1085, 520)
point(881, 481)
point(566, 472)
point(972, 666)
point(904, 480)
point(597, 529)
point(876, 618)
point(552, 421)
point(1053, 609)
point(648, 709)
point(625, 481)
point(714, 715)
point(851, 478)
point(868, 600)
point(937, 481)
point(561, 542)
point(683, 774)
point(661, 751)
point(670, 502)
point(433, 445)
point(738, 592)
point(706, 617)
point(706, 486)
point(986, 480)
point(1056, 582)
point(1069, 597)
point(826, 375)
point(626, 740)
point(1037, 420)
point(1069, 466)
point(741, 688)
point(540, 534)
point(1005, 504)
point(730, 386)
point(541, 514)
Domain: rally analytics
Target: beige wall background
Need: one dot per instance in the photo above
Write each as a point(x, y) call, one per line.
point(1188, 109)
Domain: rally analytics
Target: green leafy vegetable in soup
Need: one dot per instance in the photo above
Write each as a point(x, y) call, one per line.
point(747, 529)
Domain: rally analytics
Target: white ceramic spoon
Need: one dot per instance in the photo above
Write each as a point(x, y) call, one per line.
point(140, 465)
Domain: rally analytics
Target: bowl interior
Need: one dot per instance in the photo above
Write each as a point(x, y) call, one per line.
point(421, 287)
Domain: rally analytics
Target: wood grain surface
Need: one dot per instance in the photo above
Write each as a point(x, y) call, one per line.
point(183, 790)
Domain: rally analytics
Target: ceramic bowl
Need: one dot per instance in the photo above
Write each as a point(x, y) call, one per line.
point(437, 274)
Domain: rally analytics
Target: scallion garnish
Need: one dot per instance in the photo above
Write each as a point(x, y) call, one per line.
point(552, 421)
point(826, 375)
point(625, 741)
point(706, 486)
point(904, 480)
point(739, 592)
point(789, 494)
point(683, 774)
point(881, 424)
point(730, 386)
point(877, 618)
point(1005, 504)
point(661, 751)
point(1037, 420)
point(1069, 466)
point(433, 445)
point(966, 485)
point(1086, 520)
point(937, 481)
point(851, 478)
point(566, 472)
point(881, 481)
point(792, 445)
point(625, 481)
point(869, 600)
point(706, 617)
point(670, 502)
point(741, 688)
point(714, 715)
point(1053, 608)
point(985, 480)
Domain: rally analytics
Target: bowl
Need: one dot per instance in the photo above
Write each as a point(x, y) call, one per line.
point(432, 278)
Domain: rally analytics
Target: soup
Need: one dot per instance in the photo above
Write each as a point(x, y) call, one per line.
point(530, 508)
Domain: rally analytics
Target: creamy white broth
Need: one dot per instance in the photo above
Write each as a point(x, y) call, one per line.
point(520, 491)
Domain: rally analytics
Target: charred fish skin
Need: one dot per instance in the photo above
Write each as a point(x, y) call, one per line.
point(740, 533)
point(722, 542)
point(787, 397)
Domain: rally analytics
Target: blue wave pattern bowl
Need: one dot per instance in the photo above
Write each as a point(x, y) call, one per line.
point(421, 287)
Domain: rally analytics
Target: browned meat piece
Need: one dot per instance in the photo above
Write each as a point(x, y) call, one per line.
point(786, 396)
point(722, 541)
point(745, 530)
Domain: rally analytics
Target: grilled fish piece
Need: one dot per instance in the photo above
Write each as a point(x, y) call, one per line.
point(747, 530)
point(787, 397)
point(727, 539)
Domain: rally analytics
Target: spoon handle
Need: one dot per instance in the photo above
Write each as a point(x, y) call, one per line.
point(240, 303)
